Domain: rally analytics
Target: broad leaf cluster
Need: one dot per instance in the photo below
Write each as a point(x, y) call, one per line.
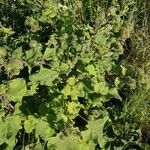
point(59, 73)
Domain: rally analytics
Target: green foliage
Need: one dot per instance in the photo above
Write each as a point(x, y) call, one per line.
point(17, 89)
point(9, 130)
point(60, 74)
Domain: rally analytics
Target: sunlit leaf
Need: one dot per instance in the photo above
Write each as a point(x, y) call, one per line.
point(17, 89)
point(44, 77)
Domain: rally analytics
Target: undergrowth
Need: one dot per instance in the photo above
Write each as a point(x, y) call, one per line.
point(74, 74)
point(137, 107)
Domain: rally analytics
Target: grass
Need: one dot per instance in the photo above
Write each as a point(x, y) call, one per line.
point(137, 57)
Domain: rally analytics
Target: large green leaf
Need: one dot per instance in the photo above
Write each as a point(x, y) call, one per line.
point(9, 129)
point(44, 77)
point(67, 143)
point(101, 88)
point(29, 125)
point(95, 129)
point(64, 68)
point(91, 69)
point(14, 66)
point(17, 89)
point(43, 130)
point(114, 92)
point(49, 53)
point(34, 53)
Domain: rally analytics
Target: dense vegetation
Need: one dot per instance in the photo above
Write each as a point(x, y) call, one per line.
point(74, 74)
